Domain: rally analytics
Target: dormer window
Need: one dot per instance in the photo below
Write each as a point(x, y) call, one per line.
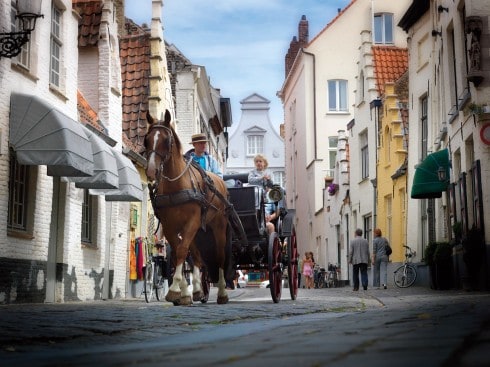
point(383, 28)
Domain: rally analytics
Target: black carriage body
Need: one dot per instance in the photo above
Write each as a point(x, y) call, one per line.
point(249, 203)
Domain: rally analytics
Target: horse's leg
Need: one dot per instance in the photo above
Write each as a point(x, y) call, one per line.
point(185, 295)
point(220, 238)
point(196, 284)
point(173, 294)
point(222, 294)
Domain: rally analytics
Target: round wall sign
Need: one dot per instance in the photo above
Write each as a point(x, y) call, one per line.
point(485, 134)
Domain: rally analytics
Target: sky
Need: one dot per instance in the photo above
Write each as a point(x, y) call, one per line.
point(241, 43)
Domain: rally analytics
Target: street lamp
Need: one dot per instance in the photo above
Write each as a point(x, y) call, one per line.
point(441, 174)
point(27, 12)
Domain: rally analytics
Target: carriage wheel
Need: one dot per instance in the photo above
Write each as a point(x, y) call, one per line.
point(275, 267)
point(205, 284)
point(293, 264)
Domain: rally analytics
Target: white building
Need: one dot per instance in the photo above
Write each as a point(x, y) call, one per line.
point(255, 134)
point(319, 98)
point(59, 240)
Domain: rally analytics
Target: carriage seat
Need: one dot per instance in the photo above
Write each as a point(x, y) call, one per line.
point(246, 200)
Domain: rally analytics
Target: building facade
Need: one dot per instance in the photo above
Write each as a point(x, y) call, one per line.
point(255, 134)
point(322, 94)
point(62, 239)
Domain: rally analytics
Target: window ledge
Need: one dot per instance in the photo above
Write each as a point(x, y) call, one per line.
point(19, 234)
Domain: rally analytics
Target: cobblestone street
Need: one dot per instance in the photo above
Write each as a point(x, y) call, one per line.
point(323, 327)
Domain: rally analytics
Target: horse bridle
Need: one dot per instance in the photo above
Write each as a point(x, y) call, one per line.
point(165, 157)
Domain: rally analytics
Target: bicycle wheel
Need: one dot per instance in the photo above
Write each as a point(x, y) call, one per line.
point(405, 276)
point(159, 283)
point(148, 282)
point(321, 280)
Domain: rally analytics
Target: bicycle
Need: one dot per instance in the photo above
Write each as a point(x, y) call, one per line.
point(155, 272)
point(406, 274)
point(328, 279)
point(332, 276)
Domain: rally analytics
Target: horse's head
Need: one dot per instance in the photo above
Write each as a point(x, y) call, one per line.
point(160, 143)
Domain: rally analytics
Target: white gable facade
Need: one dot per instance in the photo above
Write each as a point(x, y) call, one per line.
point(255, 134)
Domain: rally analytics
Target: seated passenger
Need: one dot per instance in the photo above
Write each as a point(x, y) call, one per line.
point(260, 175)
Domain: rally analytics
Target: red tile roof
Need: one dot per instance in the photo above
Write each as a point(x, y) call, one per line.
point(89, 23)
point(134, 52)
point(86, 113)
point(390, 63)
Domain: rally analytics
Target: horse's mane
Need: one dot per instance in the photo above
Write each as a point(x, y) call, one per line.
point(178, 144)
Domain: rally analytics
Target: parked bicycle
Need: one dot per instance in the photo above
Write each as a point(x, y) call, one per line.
point(406, 274)
point(328, 279)
point(155, 275)
point(333, 276)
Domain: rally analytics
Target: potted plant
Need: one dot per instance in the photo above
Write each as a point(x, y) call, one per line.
point(332, 189)
point(473, 253)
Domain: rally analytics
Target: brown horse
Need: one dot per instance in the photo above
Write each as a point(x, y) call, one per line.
point(185, 200)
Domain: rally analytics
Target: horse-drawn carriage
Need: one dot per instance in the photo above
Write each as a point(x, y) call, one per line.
point(220, 228)
point(274, 252)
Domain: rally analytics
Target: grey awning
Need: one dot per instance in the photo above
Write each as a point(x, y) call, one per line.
point(130, 188)
point(105, 166)
point(42, 135)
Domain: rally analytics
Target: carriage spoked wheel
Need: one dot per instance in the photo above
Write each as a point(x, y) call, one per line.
point(292, 249)
point(275, 267)
point(205, 284)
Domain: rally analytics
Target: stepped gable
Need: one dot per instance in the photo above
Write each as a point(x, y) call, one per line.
point(90, 12)
point(134, 50)
point(390, 63)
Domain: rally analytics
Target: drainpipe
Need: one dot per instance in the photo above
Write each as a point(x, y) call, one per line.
point(314, 101)
point(376, 104)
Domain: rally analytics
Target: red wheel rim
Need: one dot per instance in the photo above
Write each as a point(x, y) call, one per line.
point(293, 265)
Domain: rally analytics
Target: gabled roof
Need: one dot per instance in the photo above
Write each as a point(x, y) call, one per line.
point(90, 12)
point(390, 63)
point(134, 52)
point(339, 14)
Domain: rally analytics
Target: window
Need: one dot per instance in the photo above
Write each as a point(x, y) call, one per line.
point(389, 218)
point(367, 227)
point(278, 178)
point(337, 95)
point(255, 144)
point(383, 28)
point(87, 218)
point(55, 64)
point(18, 195)
point(364, 155)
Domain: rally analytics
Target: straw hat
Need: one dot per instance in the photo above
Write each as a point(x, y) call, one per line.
point(198, 138)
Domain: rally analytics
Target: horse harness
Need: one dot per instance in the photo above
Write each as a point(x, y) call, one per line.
point(190, 195)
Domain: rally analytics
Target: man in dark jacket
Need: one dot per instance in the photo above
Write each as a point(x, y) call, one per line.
point(359, 258)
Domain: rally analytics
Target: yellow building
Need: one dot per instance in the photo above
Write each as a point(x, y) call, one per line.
point(391, 166)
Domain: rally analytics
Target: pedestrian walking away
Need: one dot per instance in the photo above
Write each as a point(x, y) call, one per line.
point(380, 259)
point(359, 258)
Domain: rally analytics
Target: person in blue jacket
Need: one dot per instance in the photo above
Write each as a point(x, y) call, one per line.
point(203, 158)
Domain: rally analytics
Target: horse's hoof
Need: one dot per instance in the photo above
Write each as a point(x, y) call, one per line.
point(172, 297)
point(185, 301)
point(197, 296)
point(222, 300)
